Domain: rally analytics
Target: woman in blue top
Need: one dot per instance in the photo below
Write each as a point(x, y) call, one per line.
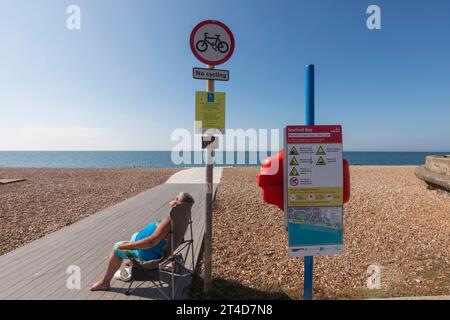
point(148, 244)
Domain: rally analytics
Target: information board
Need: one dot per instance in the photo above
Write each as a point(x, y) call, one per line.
point(209, 111)
point(314, 189)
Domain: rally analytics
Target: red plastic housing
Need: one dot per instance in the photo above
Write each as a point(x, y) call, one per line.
point(346, 172)
point(273, 185)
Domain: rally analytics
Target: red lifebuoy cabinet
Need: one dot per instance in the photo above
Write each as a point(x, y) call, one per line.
point(272, 182)
point(270, 179)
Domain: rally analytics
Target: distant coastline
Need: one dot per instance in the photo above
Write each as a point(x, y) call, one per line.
point(162, 159)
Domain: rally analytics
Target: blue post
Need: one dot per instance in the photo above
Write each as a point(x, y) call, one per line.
point(309, 262)
point(309, 73)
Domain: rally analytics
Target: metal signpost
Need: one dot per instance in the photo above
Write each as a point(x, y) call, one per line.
point(212, 43)
point(314, 188)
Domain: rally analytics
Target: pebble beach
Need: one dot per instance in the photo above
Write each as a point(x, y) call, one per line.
point(393, 221)
point(50, 199)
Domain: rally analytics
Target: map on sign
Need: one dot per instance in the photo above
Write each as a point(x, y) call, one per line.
point(314, 195)
point(212, 42)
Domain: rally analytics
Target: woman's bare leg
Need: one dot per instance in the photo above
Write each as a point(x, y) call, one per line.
point(114, 264)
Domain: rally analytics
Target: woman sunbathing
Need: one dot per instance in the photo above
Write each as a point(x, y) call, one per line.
point(148, 244)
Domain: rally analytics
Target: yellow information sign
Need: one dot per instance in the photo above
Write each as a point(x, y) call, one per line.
point(209, 111)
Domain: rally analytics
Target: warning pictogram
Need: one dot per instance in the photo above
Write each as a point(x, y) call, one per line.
point(293, 152)
point(294, 172)
point(320, 162)
point(293, 162)
point(320, 151)
point(294, 181)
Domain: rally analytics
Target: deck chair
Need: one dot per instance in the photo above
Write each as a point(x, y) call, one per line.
point(152, 270)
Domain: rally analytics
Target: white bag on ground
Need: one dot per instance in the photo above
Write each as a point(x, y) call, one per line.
point(123, 274)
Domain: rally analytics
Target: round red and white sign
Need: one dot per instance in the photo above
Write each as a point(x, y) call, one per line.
point(212, 42)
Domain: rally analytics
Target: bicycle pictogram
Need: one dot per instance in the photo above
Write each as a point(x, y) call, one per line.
point(214, 42)
point(294, 181)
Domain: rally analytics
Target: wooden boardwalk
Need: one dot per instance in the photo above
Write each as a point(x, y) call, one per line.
point(39, 270)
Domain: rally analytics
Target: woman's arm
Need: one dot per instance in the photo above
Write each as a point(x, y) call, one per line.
point(146, 243)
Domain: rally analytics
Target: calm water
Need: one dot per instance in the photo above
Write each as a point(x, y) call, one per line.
point(162, 159)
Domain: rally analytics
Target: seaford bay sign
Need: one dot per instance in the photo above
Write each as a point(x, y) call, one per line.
point(314, 190)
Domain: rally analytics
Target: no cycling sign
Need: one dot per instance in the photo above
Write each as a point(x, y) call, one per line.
point(212, 42)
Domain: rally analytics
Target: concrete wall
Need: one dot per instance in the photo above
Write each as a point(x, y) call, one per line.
point(438, 164)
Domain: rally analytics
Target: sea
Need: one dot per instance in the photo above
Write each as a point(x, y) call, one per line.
point(168, 159)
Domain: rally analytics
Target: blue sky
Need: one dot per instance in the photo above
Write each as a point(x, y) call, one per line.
point(124, 81)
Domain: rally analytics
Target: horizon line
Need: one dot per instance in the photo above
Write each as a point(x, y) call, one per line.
point(426, 151)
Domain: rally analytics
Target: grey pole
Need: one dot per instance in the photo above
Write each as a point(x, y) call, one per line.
point(208, 222)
